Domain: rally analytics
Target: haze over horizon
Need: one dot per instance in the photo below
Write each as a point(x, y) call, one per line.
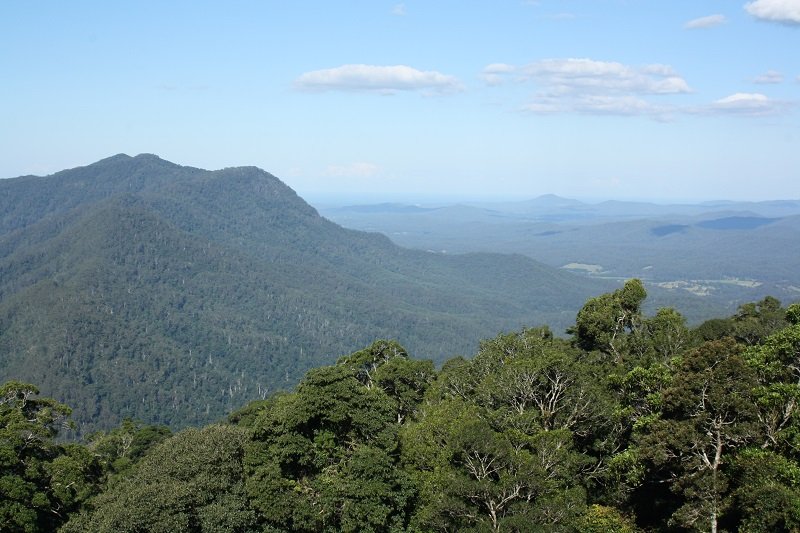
point(686, 101)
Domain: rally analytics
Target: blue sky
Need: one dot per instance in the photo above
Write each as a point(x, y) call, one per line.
point(663, 100)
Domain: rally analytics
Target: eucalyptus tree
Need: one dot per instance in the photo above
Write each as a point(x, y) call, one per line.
point(508, 440)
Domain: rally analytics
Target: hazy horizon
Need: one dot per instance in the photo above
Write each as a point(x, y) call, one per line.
point(427, 199)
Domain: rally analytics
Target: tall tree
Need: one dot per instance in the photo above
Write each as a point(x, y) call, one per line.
point(777, 363)
point(708, 413)
point(605, 321)
point(34, 477)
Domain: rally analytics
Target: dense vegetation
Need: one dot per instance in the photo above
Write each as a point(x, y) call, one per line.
point(635, 423)
point(134, 287)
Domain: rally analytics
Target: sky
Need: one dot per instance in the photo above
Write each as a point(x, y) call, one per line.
point(382, 101)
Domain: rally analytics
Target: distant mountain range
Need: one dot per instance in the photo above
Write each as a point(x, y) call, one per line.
point(547, 205)
point(706, 258)
point(135, 287)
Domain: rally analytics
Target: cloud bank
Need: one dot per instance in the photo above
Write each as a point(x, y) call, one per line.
point(381, 79)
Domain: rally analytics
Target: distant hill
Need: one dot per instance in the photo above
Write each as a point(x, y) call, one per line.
point(705, 259)
point(138, 287)
point(734, 223)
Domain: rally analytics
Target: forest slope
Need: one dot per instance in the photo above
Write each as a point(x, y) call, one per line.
point(137, 287)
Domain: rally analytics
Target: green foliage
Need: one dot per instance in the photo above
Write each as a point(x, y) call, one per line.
point(756, 321)
point(325, 457)
point(777, 363)
point(708, 412)
point(532, 434)
point(501, 444)
point(193, 481)
point(662, 336)
point(605, 321)
point(793, 314)
point(136, 288)
point(602, 519)
point(117, 450)
point(714, 329)
point(473, 476)
point(37, 486)
point(767, 497)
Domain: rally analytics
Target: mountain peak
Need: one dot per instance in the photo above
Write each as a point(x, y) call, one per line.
point(553, 200)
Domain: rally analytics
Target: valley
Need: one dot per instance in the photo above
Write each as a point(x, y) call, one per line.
point(705, 259)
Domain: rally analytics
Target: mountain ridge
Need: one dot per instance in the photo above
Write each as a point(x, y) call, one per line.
point(137, 287)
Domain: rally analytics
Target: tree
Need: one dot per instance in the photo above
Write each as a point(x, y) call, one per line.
point(471, 475)
point(386, 364)
point(496, 445)
point(119, 449)
point(767, 494)
point(714, 329)
point(777, 363)
point(33, 476)
point(602, 519)
point(708, 413)
point(325, 457)
point(662, 336)
point(756, 320)
point(193, 481)
point(604, 322)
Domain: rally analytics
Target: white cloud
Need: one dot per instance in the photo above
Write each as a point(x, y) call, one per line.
point(705, 22)
point(618, 105)
point(382, 79)
point(581, 75)
point(742, 98)
point(597, 105)
point(494, 74)
point(770, 76)
point(752, 104)
point(785, 11)
point(587, 86)
point(353, 170)
point(399, 10)
point(499, 68)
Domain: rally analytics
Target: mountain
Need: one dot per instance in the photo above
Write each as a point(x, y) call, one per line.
point(137, 287)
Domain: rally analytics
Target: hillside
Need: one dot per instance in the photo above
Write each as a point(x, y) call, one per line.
point(137, 287)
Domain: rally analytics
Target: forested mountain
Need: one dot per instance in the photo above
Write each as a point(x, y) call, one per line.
point(137, 287)
point(634, 424)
